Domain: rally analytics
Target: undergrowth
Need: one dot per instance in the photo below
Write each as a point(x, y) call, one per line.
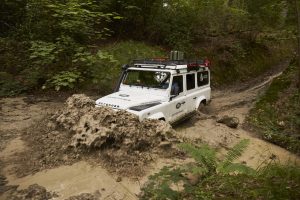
point(242, 61)
point(276, 115)
point(210, 178)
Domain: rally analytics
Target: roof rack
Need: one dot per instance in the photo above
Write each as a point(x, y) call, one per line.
point(167, 62)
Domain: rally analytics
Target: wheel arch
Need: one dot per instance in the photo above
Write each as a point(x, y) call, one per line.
point(200, 100)
point(159, 116)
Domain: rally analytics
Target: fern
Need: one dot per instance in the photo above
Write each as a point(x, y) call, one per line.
point(204, 155)
point(237, 168)
point(237, 151)
point(159, 184)
point(207, 161)
point(227, 165)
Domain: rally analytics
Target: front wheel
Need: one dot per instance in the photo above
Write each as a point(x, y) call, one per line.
point(201, 106)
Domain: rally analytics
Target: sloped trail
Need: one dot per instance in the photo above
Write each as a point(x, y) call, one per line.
point(17, 114)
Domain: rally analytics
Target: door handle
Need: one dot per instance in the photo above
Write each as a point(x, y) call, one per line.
point(183, 102)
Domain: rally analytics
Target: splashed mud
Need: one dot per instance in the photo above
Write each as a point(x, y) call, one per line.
point(119, 137)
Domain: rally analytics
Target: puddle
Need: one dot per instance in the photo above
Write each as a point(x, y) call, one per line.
point(76, 179)
point(14, 146)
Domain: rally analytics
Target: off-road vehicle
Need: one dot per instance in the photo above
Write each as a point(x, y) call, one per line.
point(168, 90)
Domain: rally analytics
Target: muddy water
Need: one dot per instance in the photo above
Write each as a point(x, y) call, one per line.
point(76, 179)
point(16, 114)
point(82, 177)
point(13, 147)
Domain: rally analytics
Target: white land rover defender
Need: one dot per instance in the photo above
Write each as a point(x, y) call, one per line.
point(168, 90)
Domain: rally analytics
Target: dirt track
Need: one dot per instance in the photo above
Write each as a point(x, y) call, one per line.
point(85, 176)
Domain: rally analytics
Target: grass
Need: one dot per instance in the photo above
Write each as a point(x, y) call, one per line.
point(126, 51)
point(276, 115)
point(245, 61)
point(273, 182)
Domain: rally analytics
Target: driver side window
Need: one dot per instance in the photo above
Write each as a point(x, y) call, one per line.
point(177, 85)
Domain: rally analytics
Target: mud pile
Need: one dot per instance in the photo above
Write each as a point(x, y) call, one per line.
point(103, 128)
point(118, 136)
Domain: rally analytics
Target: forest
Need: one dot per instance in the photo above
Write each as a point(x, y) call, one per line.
point(76, 44)
point(58, 57)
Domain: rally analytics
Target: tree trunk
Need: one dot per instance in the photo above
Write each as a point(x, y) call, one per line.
point(298, 37)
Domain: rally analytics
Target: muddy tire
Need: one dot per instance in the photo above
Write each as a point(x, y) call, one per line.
point(201, 106)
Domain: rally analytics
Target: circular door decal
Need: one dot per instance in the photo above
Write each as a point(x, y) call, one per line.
point(178, 105)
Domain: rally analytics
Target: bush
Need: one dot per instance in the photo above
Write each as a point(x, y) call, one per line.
point(9, 86)
point(105, 66)
point(64, 80)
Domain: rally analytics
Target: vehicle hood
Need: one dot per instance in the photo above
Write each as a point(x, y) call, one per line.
point(125, 100)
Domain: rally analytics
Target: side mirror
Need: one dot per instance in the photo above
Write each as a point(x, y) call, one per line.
point(172, 97)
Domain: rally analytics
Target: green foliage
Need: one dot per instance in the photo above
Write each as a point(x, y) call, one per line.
point(276, 114)
point(126, 51)
point(105, 65)
point(229, 181)
point(227, 165)
point(159, 185)
point(9, 86)
point(273, 182)
point(64, 79)
point(42, 53)
point(203, 155)
point(58, 38)
point(241, 37)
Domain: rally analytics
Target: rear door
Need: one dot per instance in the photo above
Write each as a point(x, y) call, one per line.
point(191, 91)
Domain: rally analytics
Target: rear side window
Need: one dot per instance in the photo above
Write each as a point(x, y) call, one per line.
point(177, 85)
point(202, 78)
point(190, 81)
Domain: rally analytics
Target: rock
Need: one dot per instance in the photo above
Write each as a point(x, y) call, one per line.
point(231, 122)
point(51, 125)
point(165, 145)
point(281, 123)
point(193, 179)
point(119, 179)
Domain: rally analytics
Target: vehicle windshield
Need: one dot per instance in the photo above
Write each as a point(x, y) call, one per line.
point(149, 79)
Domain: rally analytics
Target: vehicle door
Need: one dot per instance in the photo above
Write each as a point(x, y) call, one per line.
point(177, 107)
point(191, 91)
point(203, 84)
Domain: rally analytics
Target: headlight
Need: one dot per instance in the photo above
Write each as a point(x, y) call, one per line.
point(143, 107)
